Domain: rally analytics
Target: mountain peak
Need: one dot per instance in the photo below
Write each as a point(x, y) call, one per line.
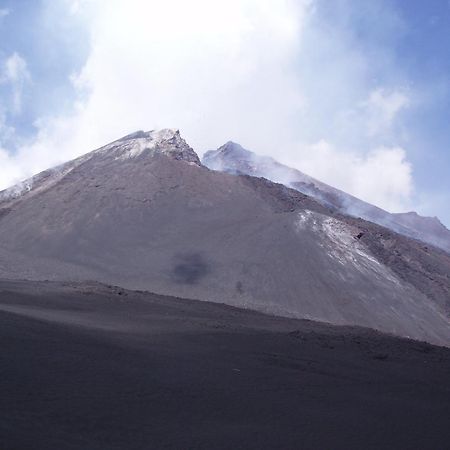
point(139, 144)
point(230, 155)
point(167, 141)
point(153, 135)
point(235, 150)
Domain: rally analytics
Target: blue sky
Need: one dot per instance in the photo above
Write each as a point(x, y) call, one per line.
point(356, 93)
point(52, 48)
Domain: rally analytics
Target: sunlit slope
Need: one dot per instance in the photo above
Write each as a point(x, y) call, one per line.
point(145, 214)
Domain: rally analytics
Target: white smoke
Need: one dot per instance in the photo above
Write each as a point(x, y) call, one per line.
point(265, 73)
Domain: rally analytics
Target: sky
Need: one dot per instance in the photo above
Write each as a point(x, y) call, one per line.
point(353, 92)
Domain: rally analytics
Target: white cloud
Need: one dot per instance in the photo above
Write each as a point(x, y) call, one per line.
point(383, 108)
point(381, 177)
point(15, 72)
point(15, 68)
point(385, 177)
point(202, 66)
point(265, 73)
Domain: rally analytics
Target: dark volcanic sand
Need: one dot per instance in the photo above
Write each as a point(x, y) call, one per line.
point(91, 367)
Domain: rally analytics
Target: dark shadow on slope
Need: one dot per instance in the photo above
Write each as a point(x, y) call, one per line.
point(190, 268)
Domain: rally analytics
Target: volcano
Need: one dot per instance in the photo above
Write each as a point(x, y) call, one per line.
point(144, 213)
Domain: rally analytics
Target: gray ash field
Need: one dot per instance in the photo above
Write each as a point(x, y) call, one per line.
point(253, 336)
point(96, 367)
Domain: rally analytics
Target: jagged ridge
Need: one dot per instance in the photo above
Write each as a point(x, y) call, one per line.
point(140, 144)
point(233, 158)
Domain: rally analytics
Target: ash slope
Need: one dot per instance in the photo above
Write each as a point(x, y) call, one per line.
point(87, 366)
point(143, 213)
point(232, 158)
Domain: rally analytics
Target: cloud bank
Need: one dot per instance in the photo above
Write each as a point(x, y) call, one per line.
point(275, 75)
